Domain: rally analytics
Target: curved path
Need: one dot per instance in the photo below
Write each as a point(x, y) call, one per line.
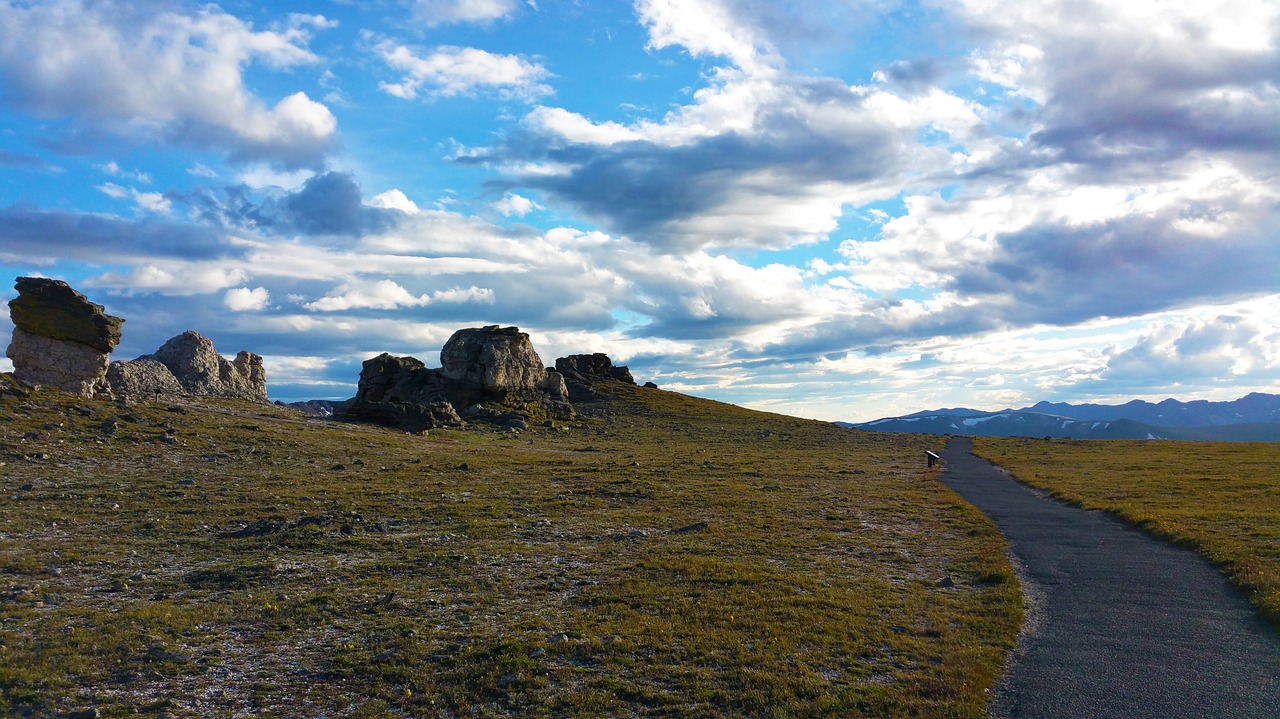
point(1119, 624)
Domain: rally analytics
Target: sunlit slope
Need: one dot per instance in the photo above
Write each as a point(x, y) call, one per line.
point(662, 556)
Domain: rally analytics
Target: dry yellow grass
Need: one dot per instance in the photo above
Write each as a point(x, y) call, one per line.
point(663, 556)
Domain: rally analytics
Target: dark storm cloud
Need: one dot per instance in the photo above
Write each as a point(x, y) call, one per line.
point(913, 74)
point(662, 195)
point(1156, 98)
point(1126, 267)
point(34, 233)
point(326, 204)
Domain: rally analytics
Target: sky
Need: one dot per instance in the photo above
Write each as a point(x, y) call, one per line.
point(838, 209)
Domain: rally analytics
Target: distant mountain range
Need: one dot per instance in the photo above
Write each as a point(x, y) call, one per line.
point(1252, 418)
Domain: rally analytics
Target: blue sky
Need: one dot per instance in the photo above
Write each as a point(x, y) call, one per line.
point(841, 210)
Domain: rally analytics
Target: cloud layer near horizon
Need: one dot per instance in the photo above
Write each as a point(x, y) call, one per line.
point(1059, 201)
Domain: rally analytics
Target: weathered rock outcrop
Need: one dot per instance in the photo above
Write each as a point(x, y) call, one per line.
point(142, 378)
point(60, 338)
point(189, 364)
point(202, 371)
point(492, 358)
point(489, 365)
point(582, 372)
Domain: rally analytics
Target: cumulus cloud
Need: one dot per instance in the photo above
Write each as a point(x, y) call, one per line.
point(1213, 348)
point(1146, 81)
point(243, 299)
point(751, 163)
point(448, 71)
point(394, 200)
point(706, 27)
point(153, 72)
point(512, 204)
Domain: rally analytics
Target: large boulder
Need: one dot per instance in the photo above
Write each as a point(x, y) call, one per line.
point(493, 358)
point(202, 371)
point(142, 378)
point(582, 372)
point(490, 365)
point(189, 364)
point(52, 309)
point(401, 392)
point(60, 338)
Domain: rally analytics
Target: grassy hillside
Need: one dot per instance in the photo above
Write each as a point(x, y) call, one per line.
point(663, 556)
point(1222, 499)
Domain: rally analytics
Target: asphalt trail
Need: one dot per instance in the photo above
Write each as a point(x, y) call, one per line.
point(1120, 625)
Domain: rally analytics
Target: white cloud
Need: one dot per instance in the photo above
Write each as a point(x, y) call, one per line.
point(113, 168)
point(1198, 348)
point(200, 170)
point(448, 71)
point(171, 278)
point(480, 295)
point(394, 200)
point(388, 295)
point(165, 76)
point(243, 299)
point(706, 27)
point(754, 161)
point(111, 189)
point(444, 12)
point(380, 295)
point(154, 202)
point(517, 205)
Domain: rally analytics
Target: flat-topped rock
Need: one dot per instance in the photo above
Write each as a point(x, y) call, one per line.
point(60, 338)
point(52, 309)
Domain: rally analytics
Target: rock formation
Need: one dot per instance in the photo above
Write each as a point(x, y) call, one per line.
point(492, 358)
point(60, 338)
point(188, 364)
point(142, 378)
point(490, 365)
point(581, 372)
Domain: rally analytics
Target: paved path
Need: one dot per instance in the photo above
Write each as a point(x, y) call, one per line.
point(1121, 625)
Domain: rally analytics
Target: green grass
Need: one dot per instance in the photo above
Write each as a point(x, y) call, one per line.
point(1222, 499)
point(663, 556)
